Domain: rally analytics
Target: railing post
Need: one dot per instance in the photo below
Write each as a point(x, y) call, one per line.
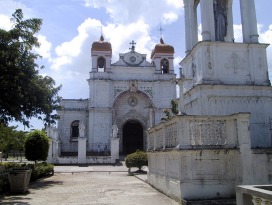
point(231, 131)
point(184, 132)
point(245, 146)
point(163, 137)
point(155, 139)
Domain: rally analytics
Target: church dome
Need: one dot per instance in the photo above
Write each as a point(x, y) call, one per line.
point(101, 45)
point(162, 48)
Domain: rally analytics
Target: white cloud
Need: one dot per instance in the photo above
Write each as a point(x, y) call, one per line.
point(199, 31)
point(177, 60)
point(175, 3)
point(169, 17)
point(8, 7)
point(238, 34)
point(121, 35)
point(67, 52)
point(266, 37)
point(45, 47)
point(6, 23)
point(151, 11)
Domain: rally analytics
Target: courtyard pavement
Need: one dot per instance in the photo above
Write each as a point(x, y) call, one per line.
point(95, 185)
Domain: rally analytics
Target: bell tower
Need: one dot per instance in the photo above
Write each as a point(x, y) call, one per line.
point(220, 76)
point(162, 57)
point(101, 55)
point(217, 21)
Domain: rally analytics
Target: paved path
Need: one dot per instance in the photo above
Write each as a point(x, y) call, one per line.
point(95, 185)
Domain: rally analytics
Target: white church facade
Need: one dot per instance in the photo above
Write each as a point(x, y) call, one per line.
point(129, 94)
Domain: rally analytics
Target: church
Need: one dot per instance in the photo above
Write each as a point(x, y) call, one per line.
point(129, 94)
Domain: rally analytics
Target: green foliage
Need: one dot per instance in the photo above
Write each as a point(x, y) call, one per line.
point(137, 159)
point(24, 93)
point(36, 146)
point(174, 111)
point(174, 107)
point(38, 171)
point(11, 139)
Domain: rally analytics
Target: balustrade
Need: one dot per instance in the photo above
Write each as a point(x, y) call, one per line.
point(198, 131)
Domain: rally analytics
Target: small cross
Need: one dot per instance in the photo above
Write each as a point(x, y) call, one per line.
point(101, 29)
point(161, 30)
point(133, 46)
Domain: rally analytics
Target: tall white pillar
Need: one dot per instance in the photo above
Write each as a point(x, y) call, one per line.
point(114, 150)
point(249, 21)
point(50, 152)
point(82, 150)
point(207, 20)
point(230, 33)
point(190, 24)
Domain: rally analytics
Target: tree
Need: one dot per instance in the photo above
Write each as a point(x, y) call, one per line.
point(24, 93)
point(174, 110)
point(36, 146)
point(11, 139)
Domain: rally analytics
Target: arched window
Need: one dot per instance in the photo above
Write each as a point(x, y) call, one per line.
point(74, 129)
point(164, 66)
point(101, 64)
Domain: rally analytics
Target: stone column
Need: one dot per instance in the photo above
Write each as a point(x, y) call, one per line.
point(50, 152)
point(249, 21)
point(114, 150)
point(82, 150)
point(207, 20)
point(190, 24)
point(55, 149)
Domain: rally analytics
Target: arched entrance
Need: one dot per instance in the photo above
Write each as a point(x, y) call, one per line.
point(132, 137)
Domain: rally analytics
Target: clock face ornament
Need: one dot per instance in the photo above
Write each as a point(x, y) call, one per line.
point(132, 59)
point(132, 101)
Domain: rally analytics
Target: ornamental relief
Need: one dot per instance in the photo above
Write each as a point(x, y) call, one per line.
point(235, 62)
point(239, 100)
point(132, 101)
point(147, 90)
point(133, 86)
point(118, 89)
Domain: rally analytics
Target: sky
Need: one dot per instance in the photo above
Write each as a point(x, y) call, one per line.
point(71, 26)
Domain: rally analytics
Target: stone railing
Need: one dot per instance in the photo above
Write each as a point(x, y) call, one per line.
point(254, 195)
point(200, 131)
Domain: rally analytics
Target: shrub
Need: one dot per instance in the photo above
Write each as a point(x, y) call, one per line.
point(137, 159)
point(39, 170)
point(36, 146)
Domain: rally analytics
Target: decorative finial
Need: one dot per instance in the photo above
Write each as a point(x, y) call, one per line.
point(133, 46)
point(101, 38)
point(161, 41)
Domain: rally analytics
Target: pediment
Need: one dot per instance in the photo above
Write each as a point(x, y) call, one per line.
point(132, 59)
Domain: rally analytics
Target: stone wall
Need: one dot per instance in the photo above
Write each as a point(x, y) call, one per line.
point(205, 157)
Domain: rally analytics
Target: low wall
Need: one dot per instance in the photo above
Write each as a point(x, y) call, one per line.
point(195, 174)
point(205, 157)
point(89, 160)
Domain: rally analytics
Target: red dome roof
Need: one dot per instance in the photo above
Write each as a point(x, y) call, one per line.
point(162, 48)
point(101, 45)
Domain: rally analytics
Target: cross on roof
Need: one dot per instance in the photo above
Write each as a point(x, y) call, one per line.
point(101, 27)
point(133, 46)
point(161, 30)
